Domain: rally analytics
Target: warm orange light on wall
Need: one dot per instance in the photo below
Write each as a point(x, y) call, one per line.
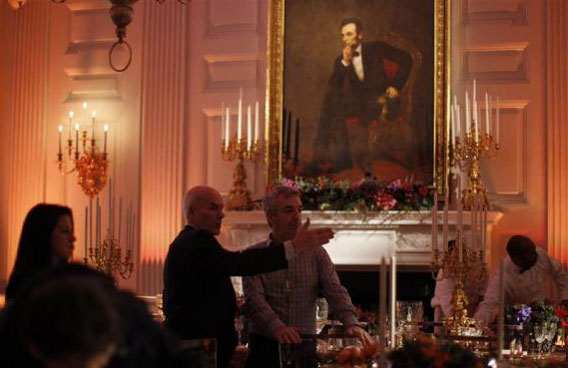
point(16, 4)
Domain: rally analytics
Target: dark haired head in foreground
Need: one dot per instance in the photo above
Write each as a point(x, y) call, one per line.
point(73, 316)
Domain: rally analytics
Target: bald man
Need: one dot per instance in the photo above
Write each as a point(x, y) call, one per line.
point(524, 272)
point(199, 300)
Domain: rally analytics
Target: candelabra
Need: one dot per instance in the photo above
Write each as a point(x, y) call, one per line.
point(107, 255)
point(90, 163)
point(455, 263)
point(242, 150)
point(467, 154)
point(108, 258)
point(241, 147)
point(466, 151)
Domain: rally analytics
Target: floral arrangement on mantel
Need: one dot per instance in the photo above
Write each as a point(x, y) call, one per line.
point(367, 195)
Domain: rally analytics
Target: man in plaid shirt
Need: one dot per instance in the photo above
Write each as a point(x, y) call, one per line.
point(281, 305)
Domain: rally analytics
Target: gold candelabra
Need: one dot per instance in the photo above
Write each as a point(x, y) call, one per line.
point(467, 155)
point(90, 163)
point(455, 263)
point(242, 150)
point(108, 258)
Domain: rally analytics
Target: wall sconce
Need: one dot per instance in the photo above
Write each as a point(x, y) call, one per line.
point(89, 162)
point(17, 4)
point(121, 14)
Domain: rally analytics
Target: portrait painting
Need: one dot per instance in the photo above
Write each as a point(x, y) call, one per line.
point(357, 88)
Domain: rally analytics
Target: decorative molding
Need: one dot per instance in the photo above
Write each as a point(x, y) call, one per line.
point(83, 46)
point(557, 128)
point(162, 144)
point(513, 12)
point(102, 85)
point(496, 63)
point(513, 121)
point(231, 71)
point(359, 241)
point(231, 17)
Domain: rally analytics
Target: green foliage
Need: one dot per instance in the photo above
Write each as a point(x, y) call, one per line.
point(325, 194)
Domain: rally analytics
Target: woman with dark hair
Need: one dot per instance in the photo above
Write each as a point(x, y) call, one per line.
point(47, 239)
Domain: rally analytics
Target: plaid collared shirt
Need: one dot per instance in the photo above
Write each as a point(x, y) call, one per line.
point(288, 297)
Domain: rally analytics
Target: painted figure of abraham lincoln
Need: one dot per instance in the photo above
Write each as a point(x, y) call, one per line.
point(358, 89)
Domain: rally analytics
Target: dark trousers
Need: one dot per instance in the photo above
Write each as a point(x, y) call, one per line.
point(263, 352)
point(226, 345)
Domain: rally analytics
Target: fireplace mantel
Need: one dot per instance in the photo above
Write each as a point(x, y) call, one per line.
point(360, 240)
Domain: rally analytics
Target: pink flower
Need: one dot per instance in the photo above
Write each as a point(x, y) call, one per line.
point(289, 183)
point(401, 184)
point(384, 200)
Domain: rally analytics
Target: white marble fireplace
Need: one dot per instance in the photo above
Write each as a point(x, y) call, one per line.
point(360, 240)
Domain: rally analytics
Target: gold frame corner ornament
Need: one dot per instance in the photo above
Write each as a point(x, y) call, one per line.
point(275, 84)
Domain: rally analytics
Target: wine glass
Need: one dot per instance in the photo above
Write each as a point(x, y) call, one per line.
point(539, 335)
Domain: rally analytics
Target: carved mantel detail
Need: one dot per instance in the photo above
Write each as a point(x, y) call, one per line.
point(360, 240)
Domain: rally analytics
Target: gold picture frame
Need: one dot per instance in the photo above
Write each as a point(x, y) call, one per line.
point(440, 65)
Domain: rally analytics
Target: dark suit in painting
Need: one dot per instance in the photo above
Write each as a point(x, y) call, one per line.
point(351, 105)
point(199, 299)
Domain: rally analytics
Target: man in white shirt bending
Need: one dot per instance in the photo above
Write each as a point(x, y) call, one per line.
point(525, 270)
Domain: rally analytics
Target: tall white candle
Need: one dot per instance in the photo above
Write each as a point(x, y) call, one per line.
point(105, 128)
point(249, 127)
point(460, 214)
point(393, 302)
point(240, 115)
point(94, 115)
point(486, 113)
point(473, 225)
point(109, 193)
point(435, 222)
point(223, 138)
point(467, 114)
point(76, 139)
point(256, 121)
point(70, 123)
point(382, 305)
point(98, 224)
point(458, 113)
point(501, 321)
point(475, 120)
point(474, 90)
point(60, 128)
point(484, 240)
point(445, 219)
point(119, 219)
point(454, 123)
point(497, 123)
point(227, 127)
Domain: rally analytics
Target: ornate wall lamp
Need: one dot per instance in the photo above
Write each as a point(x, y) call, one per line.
point(17, 4)
point(83, 154)
point(121, 14)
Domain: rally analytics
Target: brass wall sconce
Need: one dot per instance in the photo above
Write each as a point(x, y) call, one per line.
point(122, 15)
point(84, 155)
point(17, 4)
